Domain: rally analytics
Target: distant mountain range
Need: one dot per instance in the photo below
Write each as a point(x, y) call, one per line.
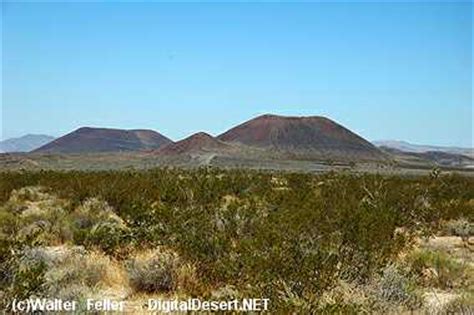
point(439, 158)
point(414, 154)
point(417, 148)
point(266, 137)
point(26, 143)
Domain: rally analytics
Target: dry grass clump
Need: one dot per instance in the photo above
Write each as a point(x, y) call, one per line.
point(153, 270)
point(74, 273)
point(441, 302)
point(390, 290)
point(440, 270)
point(51, 255)
point(394, 289)
point(187, 280)
point(461, 304)
point(444, 275)
point(161, 270)
point(345, 293)
point(227, 292)
point(29, 193)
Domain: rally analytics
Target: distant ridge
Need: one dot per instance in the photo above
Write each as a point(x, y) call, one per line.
point(303, 137)
point(25, 143)
point(439, 158)
point(419, 148)
point(88, 140)
point(198, 142)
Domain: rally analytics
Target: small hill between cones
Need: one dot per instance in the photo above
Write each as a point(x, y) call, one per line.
point(198, 142)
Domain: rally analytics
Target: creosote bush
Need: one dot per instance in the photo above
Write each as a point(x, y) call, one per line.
point(95, 224)
point(32, 213)
point(290, 237)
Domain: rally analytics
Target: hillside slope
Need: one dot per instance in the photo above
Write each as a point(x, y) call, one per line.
point(303, 137)
point(198, 142)
point(88, 140)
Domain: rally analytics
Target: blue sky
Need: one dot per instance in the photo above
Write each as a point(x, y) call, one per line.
point(384, 70)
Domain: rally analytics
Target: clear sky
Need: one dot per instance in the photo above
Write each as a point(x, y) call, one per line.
point(384, 70)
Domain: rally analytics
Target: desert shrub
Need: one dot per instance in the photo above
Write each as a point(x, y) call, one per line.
point(109, 237)
point(27, 277)
point(153, 271)
point(20, 276)
point(287, 236)
point(8, 228)
point(93, 211)
point(95, 224)
point(38, 215)
point(438, 269)
point(461, 228)
point(72, 272)
point(227, 292)
point(187, 281)
point(391, 289)
point(30, 193)
point(345, 297)
point(32, 214)
point(87, 270)
point(394, 289)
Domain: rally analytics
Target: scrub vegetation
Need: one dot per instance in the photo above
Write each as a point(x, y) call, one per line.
point(335, 242)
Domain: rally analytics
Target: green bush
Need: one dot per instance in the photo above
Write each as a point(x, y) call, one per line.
point(95, 224)
point(286, 236)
